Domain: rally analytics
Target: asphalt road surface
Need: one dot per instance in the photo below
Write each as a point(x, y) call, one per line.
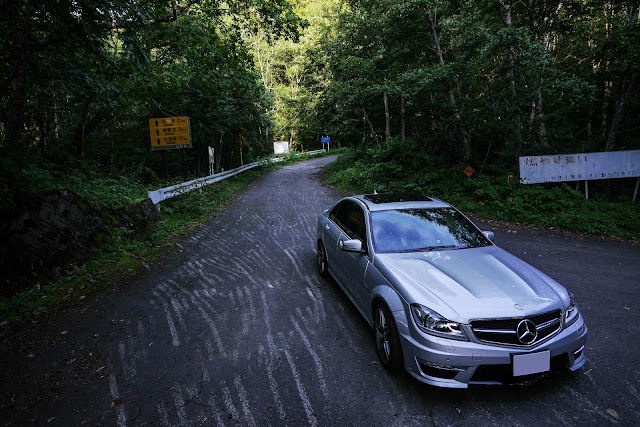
point(233, 326)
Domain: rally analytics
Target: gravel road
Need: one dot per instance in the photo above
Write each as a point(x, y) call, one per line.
point(233, 326)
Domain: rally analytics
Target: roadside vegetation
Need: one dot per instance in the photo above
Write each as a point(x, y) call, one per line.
point(488, 193)
point(124, 251)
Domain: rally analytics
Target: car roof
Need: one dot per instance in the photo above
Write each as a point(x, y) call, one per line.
point(389, 201)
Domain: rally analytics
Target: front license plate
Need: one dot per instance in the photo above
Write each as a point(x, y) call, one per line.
point(534, 363)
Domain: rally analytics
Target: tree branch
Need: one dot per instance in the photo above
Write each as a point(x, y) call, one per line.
point(177, 11)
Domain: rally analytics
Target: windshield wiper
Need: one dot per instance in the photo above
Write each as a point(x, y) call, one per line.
point(482, 245)
point(428, 248)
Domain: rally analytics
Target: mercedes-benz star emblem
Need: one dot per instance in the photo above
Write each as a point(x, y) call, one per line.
point(527, 332)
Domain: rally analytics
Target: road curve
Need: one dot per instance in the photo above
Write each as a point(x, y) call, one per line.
point(233, 326)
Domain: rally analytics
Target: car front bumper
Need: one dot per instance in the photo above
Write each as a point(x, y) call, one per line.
point(459, 364)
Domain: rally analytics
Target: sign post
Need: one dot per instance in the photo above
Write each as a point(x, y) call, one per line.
point(580, 167)
point(469, 171)
point(170, 133)
point(325, 140)
point(212, 160)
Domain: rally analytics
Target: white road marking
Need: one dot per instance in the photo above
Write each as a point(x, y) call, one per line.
point(179, 402)
point(176, 307)
point(314, 355)
point(273, 385)
point(216, 411)
point(242, 394)
point(214, 329)
point(172, 326)
point(267, 322)
point(121, 417)
point(295, 264)
point(228, 403)
point(311, 417)
point(164, 417)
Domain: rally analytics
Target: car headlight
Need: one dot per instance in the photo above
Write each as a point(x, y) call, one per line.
point(571, 314)
point(432, 323)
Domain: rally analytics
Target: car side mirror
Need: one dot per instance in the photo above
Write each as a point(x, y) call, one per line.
point(489, 235)
point(354, 245)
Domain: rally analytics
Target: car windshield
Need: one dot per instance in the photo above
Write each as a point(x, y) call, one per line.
point(410, 230)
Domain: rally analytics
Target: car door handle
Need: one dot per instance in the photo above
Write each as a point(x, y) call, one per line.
point(327, 226)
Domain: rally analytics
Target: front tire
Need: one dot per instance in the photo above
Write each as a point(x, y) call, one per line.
point(321, 260)
point(387, 339)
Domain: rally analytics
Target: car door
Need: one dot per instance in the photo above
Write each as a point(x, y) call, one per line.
point(352, 264)
point(333, 230)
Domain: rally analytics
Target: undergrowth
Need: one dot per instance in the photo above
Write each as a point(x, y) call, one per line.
point(396, 168)
point(123, 250)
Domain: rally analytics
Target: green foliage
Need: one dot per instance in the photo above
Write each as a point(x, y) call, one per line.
point(108, 67)
point(490, 196)
point(549, 79)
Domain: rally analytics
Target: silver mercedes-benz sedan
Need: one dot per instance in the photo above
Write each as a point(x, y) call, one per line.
point(445, 303)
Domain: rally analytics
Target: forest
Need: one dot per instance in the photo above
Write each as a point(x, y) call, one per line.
point(412, 92)
point(477, 82)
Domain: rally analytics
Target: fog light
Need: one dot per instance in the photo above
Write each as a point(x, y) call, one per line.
point(439, 371)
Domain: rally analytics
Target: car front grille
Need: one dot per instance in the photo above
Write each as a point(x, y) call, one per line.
point(505, 331)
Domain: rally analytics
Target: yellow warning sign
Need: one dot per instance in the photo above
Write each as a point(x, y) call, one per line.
point(170, 132)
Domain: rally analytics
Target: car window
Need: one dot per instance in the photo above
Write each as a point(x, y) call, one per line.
point(356, 224)
point(340, 213)
point(423, 229)
point(349, 216)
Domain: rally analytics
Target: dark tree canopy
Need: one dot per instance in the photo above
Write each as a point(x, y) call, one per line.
point(485, 79)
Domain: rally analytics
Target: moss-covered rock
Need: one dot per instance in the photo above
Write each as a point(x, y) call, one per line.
point(48, 234)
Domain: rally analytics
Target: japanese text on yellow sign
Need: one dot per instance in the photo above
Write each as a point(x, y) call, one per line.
point(170, 132)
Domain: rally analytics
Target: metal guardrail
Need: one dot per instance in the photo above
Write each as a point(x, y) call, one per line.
point(158, 196)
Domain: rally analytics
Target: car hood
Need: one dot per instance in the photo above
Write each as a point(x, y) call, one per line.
point(473, 283)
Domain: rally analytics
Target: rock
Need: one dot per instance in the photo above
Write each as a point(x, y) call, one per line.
point(59, 229)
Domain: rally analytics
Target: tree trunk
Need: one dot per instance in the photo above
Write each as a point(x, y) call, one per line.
point(387, 124)
point(86, 126)
point(402, 123)
point(373, 132)
point(608, 84)
point(218, 153)
point(42, 125)
point(628, 90)
point(233, 148)
point(80, 134)
point(18, 59)
point(462, 134)
point(515, 106)
point(538, 110)
point(541, 128)
point(604, 119)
